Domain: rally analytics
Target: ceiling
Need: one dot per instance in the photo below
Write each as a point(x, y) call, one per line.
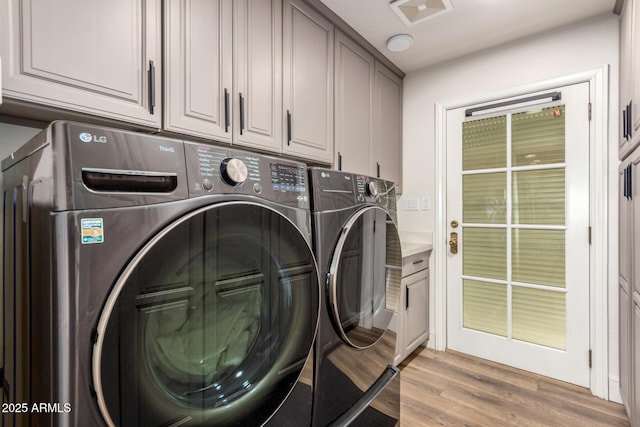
point(470, 26)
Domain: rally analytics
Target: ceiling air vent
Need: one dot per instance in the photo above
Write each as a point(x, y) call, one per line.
point(412, 12)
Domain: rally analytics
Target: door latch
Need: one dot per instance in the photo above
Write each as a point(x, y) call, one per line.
point(453, 242)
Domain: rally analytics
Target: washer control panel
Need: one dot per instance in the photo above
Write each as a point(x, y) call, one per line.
point(370, 190)
point(221, 170)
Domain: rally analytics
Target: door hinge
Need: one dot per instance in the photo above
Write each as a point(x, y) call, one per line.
point(590, 357)
point(589, 234)
point(589, 111)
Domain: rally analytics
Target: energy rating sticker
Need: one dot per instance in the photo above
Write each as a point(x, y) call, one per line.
point(92, 230)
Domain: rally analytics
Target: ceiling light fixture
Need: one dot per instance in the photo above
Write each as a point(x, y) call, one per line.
point(399, 42)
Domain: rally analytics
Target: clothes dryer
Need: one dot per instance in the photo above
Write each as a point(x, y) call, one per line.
point(155, 282)
point(359, 258)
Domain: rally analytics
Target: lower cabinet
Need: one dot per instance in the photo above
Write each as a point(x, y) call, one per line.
point(635, 410)
point(413, 313)
point(629, 285)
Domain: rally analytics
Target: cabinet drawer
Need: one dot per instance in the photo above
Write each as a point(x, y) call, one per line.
point(414, 263)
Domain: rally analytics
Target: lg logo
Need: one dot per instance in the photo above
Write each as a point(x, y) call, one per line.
point(87, 137)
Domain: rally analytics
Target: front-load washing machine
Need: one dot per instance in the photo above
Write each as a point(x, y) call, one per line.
point(150, 281)
point(359, 258)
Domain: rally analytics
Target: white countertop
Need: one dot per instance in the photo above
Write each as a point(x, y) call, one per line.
point(412, 248)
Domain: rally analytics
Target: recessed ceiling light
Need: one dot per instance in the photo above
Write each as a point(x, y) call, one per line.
point(399, 42)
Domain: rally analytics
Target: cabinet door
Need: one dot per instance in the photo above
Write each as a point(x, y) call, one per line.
point(387, 150)
point(634, 52)
point(417, 310)
point(635, 410)
point(625, 286)
point(625, 224)
point(626, 34)
point(634, 218)
point(354, 78)
point(624, 307)
point(308, 83)
point(257, 41)
point(95, 57)
point(198, 54)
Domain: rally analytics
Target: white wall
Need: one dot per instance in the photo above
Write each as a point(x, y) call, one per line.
point(574, 48)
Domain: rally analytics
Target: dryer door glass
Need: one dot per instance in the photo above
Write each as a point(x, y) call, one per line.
point(364, 277)
point(211, 323)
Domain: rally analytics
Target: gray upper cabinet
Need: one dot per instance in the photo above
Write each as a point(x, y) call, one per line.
point(224, 80)
point(198, 71)
point(258, 73)
point(629, 78)
point(387, 145)
point(354, 106)
point(95, 57)
point(308, 83)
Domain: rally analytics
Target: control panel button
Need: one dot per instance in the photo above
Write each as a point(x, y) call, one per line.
point(207, 184)
point(371, 189)
point(233, 171)
point(257, 188)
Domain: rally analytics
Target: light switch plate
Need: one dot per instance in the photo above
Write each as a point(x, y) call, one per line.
point(426, 203)
point(410, 204)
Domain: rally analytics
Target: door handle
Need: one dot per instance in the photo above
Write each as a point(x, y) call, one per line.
point(453, 242)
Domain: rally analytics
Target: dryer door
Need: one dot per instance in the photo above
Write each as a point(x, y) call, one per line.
point(210, 323)
point(364, 277)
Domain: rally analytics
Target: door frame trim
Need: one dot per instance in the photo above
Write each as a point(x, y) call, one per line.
point(598, 79)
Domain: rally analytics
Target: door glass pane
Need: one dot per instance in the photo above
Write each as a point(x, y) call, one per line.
point(485, 252)
point(538, 257)
point(538, 197)
point(484, 198)
point(484, 143)
point(539, 316)
point(538, 137)
point(485, 307)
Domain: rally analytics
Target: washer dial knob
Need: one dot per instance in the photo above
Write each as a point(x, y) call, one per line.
point(371, 189)
point(233, 171)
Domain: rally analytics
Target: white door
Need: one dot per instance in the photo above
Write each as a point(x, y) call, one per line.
point(518, 189)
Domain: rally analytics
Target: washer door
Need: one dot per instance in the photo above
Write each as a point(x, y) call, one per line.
point(364, 277)
point(210, 323)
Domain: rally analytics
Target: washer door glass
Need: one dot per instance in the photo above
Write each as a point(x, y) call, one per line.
point(364, 277)
point(211, 322)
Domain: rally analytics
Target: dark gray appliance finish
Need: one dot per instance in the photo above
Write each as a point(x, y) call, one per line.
point(358, 253)
point(150, 281)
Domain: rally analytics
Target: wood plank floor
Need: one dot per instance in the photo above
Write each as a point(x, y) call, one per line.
point(452, 389)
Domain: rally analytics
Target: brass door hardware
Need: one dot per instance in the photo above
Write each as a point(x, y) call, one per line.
point(453, 242)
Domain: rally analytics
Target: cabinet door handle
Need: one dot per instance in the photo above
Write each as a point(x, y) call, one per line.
point(630, 178)
point(624, 123)
point(226, 110)
point(625, 192)
point(630, 120)
point(377, 169)
point(339, 161)
point(152, 87)
point(406, 302)
point(288, 127)
point(241, 101)
point(420, 261)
